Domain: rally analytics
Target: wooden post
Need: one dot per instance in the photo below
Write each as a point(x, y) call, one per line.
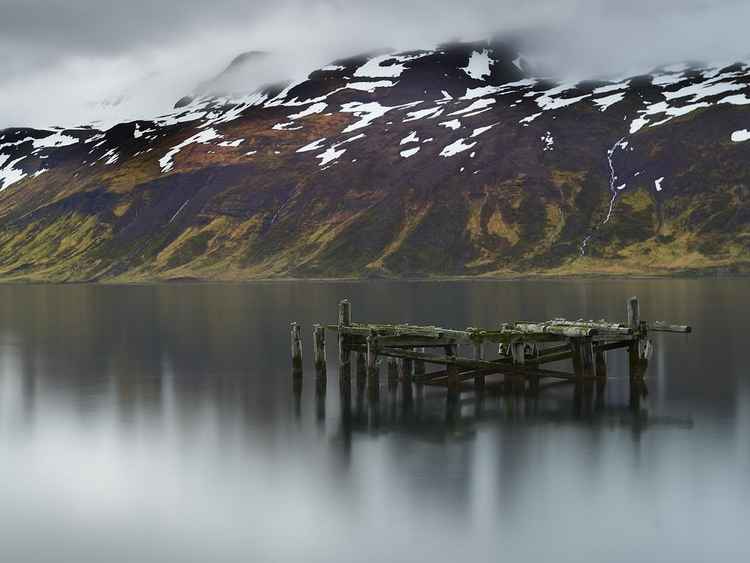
point(634, 322)
point(345, 319)
point(478, 355)
point(319, 350)
point(372, 366)
point(583, 357)
point(392, 371)
point(587, 357)
point(452, 369)
point(518, 351)
point(634, 313)
point(296, 338)
point(601, 364)
point(577, 356)
point(407, 369)
point(419, 366)
point(638, 362)
point(361, 365)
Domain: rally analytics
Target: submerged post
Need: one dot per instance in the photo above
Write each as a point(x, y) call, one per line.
point(478, 355)
point(419, 366)
point(296, 341)
point(636, 359)
point(407, 369)
point(452, 368)
point(373, 383)
point(392, 371)
point(319, 350)
point(518, 352)
point(345, 319)
point(361, 365)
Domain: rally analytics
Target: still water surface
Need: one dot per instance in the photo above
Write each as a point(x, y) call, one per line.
point(160, 424)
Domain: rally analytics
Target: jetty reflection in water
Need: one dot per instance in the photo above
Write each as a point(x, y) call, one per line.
point(162, 424)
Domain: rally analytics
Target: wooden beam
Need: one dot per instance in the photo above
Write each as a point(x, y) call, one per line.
point(658, 326)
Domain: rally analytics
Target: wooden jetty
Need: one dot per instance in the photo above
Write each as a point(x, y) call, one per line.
point(518, 351)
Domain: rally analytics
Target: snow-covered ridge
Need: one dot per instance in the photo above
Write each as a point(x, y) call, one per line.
point(373, 94)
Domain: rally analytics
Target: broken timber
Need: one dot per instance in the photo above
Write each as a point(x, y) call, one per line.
point(523, 348)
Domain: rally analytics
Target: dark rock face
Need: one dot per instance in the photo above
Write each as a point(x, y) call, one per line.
point(449, 162)
point(184, 101)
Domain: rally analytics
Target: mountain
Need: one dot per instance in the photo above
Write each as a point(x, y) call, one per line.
point(451, 162)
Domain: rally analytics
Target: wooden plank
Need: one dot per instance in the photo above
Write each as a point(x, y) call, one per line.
point(659, 326)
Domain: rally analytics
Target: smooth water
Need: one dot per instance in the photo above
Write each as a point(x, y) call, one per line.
point(160, 424)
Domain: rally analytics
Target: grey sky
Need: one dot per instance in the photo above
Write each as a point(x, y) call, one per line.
point(66, 61)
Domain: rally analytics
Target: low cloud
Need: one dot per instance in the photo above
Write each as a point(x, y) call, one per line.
point(71, 61)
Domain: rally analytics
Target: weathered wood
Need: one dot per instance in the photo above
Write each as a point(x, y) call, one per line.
point(319, 349)
point(600, 360)
point(587, 358)
point(469, 364)
point(345, 313)
point(392, 370)
point(361, 365)
point(419, 367)
point(577, 357)
point(373, 382)
point(658, 326)
point(296, 343)
point(634, 314)
point(407, 369)
point(479, 379)
point(345, 319)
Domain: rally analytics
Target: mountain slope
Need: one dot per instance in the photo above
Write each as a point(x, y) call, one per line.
point(449, 162)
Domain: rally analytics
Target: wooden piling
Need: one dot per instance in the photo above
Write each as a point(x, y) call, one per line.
point(345, 319)
point(419, 365)
point(361, 365)
point(518, 353)
point(407, 369)
point(319, 350)
point(373, 382)
point(392, 371)
point(296, 342)
point(452, 369)
point(479, 355)
point(600, 360)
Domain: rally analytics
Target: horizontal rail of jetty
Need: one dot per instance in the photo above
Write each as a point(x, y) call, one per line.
point(510, 357)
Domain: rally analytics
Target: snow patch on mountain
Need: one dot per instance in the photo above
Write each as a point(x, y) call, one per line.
point(456, 148)
point(318, 107)
point(204, 137)
point(386, 66)
point(479, 65)
point(369, 112)
point(370, 87)
point(454, 124)
point(410, 138)
point(9, 175)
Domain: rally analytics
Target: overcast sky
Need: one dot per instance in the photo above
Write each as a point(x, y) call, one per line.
point(69, 61)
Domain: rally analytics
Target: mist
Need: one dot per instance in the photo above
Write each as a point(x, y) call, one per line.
point(87, 61)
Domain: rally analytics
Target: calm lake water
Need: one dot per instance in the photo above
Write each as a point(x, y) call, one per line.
point(160, 424)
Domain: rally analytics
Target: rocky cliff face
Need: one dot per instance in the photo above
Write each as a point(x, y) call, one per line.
point(452, 162)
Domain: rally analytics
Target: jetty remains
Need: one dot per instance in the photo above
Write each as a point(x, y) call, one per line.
point(508, 359)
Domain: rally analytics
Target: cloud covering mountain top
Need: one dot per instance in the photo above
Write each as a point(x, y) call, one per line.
point(74, 61)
